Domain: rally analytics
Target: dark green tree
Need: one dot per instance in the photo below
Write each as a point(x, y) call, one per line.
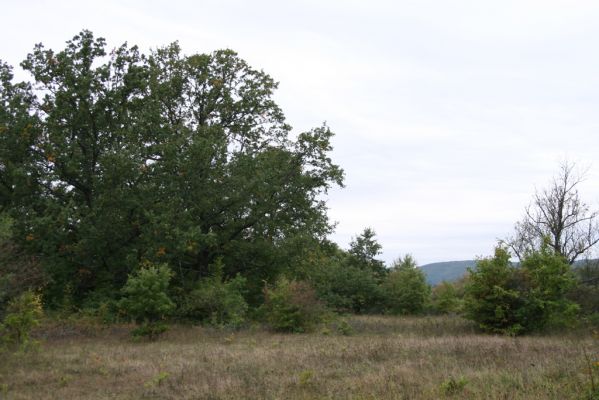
point(504, 298)
point(146, 300)
point(405, 288)
point(445, 298)
point(363, 251)
point(292, 306)
point(110, 159)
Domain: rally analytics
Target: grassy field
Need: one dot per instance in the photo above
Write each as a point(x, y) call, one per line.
point(384, 358)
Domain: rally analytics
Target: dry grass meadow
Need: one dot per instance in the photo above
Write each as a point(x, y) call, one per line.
point(384, 358)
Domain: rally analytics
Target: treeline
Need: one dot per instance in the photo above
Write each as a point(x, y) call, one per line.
point(161, 186)
point(170, 179)
point(113, 160)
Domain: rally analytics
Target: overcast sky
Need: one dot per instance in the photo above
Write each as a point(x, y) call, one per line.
point(447, 114)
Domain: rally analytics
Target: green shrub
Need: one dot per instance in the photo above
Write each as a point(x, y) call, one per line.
point(452, 386)
point(405, 288)
point(292, 306)
point(146, 301)
point(503, 298)
point(19, 272)
point(587, 298)
point(344, 328)
point(216, 302)
point(347, 288)
point(345, 281)
point(446, 299)
point(362, 254)
point(586, 291)
point(22, 315)
point(151, 330)
point(102, 305)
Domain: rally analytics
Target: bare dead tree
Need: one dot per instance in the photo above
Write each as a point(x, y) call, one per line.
point(558, 216)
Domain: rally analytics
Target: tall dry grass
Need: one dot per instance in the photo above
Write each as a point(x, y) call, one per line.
point(385, 358)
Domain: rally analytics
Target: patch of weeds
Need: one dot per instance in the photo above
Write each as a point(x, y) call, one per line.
point(149, 330)
point(157, 380)
point(254, 328)
point(64, 380)
point(306, 377)
point(22, 315)
point(592, 369)
point(452, 386)
point(344, 328)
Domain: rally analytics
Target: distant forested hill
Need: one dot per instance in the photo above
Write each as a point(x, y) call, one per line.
point(446, 271)
point(454, 270)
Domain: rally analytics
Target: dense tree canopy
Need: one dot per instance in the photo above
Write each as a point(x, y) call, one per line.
point(363, 251)
point(111, 157)
point(504, 298)
point(405, 287)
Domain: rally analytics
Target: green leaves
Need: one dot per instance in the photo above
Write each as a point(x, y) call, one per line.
point(292, 306)
point(507, 299)
point(145, 298)
point(405, 288)
point(363, 251)
point(23, 314)
point(113, 157)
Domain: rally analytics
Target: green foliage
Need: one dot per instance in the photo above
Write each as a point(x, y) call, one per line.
point(157, 380)
point(506, 299)
point(111, 158)
point(549, 278)
point(405, 289)
point(19, 271)
point(146, 301)
point(363, 252)
point(102, 305)
point(292, 306)
point(306, 377)
point(22, 315)
point(452, 386)
point(592, 372)
point(586, 291)
point(216, 302)
point(344, 328)
point(446, 298)
point(342, 283)
point(347, 288)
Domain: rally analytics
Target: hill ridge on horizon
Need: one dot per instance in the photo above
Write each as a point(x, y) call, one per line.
point(438, 272)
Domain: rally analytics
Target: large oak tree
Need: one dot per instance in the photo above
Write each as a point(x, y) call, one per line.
point(112, 157)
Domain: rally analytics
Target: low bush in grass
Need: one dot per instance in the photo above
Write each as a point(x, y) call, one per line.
point(20, 272)
point(293, 306)
point(503, 298)
point(586, 292)
point(446, 298)
point(347, 288)
point(405, 289)
point(216, 302)
point(146, 301)
point(22, 315)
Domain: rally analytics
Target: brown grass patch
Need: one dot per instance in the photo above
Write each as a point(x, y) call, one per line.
point(386, 358)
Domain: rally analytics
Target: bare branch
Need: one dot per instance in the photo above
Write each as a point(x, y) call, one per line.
point(558, 215)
